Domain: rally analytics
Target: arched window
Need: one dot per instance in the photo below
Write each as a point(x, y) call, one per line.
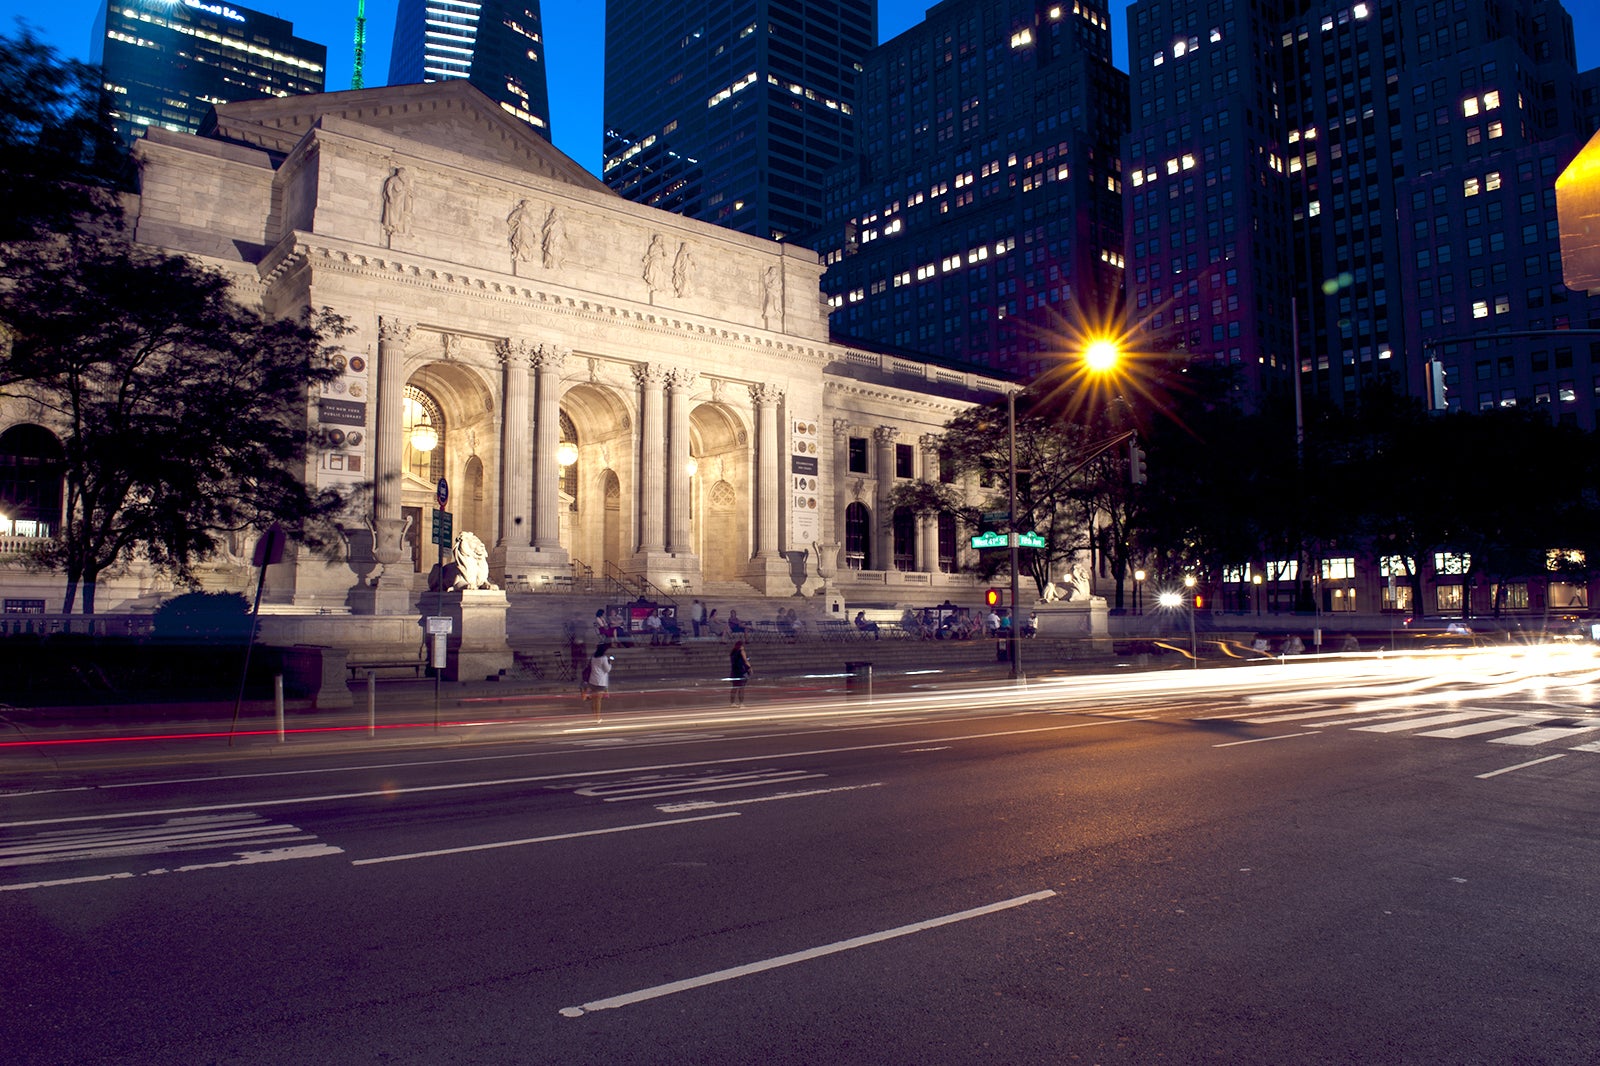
point(858, 537)
point(422, 409)
point(569, 473)
point(31, 469)
point(905, 539)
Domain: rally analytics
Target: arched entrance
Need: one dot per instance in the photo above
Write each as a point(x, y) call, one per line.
point(448, 406)
point(31, 488)
point(721, 492)
point(596, 434)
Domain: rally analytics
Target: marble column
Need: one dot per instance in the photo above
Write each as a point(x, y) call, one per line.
point(508, 559)
point(389, 590)
point(884, 526)
point(843, 480)
point(679, 381)
point(928, 524)
point(652, 457)
point(766, 398)
point(547, 362)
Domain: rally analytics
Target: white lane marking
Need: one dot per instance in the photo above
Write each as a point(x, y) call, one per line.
point(1263, 740)
point(942, 747)
point(629, 998)
point(246, 858)
point(537, 840)
point(661, 785)
point(704, 805)
point(1422, 723)
point(1494, 725)
point(392, 793)
point(164, 838)
point(1519, 766)
point(1543, 736)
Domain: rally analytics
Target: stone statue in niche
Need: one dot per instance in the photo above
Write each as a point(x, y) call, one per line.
point(520, 232)
point(554, 240)
point(658, 265)
point(397, 204)
point(683, 271)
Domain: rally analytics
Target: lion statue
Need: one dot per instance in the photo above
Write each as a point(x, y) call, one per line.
point(471, 565)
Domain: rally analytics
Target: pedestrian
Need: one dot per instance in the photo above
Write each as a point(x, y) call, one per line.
point(993, 623)
point(738, 673)
point(866, 625)
point(598, 680)
point(697, 616)
point(653, 625)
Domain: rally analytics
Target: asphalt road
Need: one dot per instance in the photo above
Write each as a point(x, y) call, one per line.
point(1378, 863)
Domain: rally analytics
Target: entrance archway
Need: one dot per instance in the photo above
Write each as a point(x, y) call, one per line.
point(458, 406)
point(598, 523)
point(719, 442)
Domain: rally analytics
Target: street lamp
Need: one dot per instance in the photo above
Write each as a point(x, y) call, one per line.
point(1138, 591)
point(1194, 649)
point(1255, 579)
point(1014, 645)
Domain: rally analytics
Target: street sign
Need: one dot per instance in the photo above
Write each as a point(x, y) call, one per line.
point(443, 521)
point(269, 549)
point(443, 492)
point(440, 624)
point(1000, 540)
point(996, 517)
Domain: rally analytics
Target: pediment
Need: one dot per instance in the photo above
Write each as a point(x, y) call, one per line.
point(450, 115)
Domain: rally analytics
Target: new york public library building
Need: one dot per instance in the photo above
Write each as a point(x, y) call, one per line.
point(610, 391)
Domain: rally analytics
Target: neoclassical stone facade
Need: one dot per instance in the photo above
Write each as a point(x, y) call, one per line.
point(609, 386)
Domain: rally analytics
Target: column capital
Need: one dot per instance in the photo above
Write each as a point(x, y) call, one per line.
point(841, 427)
point(886, 434)
point(548, 356)
point(681, 378)
point(392, 330)
point(930, 442)
point(763, 393)
point(514, 354)
point(650, 375)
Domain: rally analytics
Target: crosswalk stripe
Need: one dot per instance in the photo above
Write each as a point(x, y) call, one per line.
point(1544, 736)
point(1421, 723)
point(1494, 725)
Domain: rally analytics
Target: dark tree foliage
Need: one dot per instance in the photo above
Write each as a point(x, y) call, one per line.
point(58, 160)
point(183, 413)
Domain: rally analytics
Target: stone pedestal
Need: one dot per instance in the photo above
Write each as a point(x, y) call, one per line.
point(522, 567)
point(476, 647)
point(1077, 619)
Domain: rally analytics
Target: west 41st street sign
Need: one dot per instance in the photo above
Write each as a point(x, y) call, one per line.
point(998, 540)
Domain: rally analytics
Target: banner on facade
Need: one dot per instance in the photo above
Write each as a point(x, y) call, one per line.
point(342, 412)
point(805, 506)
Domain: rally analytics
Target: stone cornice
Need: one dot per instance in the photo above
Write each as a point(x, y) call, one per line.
point(380, 264)
point(889, 394)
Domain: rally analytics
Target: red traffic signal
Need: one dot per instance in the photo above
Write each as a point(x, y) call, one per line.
point(991, 598)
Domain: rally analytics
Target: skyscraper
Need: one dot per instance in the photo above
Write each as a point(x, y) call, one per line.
point(1370, 184)
point(497, 45)
point(983, 214)
point(732, 113)
point(165, 62)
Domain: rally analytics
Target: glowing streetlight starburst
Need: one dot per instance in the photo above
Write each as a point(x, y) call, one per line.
point(1102, 355)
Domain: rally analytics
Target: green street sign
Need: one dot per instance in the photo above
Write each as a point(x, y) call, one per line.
point(999, 540)
point(442, 523)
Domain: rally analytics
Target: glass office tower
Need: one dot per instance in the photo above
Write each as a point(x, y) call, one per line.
point(732, 113)
point(165, 62)
point(497, 45)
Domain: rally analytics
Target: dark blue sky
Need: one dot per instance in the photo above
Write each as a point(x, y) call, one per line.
point(574, 38)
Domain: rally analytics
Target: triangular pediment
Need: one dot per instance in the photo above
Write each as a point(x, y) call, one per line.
point(450, 115)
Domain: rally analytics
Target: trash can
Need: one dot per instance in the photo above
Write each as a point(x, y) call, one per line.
point(858, 681)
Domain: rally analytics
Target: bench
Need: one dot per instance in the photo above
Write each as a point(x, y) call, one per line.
point(359, 670)
point(837, 629)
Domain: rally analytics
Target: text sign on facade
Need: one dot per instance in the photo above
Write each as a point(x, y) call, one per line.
point(805, 510)
point(342, 412)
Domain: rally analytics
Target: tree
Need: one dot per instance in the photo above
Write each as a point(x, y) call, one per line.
point(59, 160)
point(183, 412)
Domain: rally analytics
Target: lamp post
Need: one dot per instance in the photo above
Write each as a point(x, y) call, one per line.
point(1138, 592)
point(1194, 649)
point(1255, 579)
point(1013, 644)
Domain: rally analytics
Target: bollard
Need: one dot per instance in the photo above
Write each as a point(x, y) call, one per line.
point(372, 704)
point(277, 702)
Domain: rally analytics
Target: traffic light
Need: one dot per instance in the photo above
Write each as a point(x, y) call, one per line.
point(1136, 473)
point(991, 598)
